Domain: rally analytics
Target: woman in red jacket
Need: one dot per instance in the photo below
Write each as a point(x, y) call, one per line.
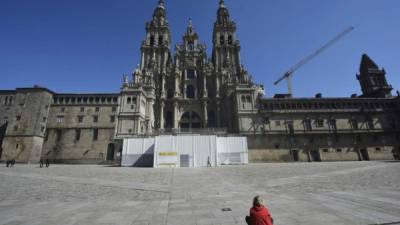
point(259, 214)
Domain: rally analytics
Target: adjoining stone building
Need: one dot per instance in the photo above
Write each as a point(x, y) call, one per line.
point(189, 92)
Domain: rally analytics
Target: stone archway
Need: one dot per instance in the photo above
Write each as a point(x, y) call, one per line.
point(190, 119)
point(110, 152)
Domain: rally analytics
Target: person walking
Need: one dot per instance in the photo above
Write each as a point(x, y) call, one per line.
point(259, 214)
point(47, 163)
point(41, 163)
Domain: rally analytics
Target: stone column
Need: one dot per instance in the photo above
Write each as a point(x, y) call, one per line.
point(142, 62)
point(151, 116)
point(218, 113)
point(205, 111)
point(165, 62)
point(163, 85)
point(176, 116)
point(217, 86)
point(176, 84)
point(162, 115)
point(205, 86)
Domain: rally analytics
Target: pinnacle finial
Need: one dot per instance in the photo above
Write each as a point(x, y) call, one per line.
point(190, 23)
point(221, 3)
point(190, 26)
point(161, 3)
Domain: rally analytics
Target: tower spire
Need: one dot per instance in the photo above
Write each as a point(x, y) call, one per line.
point(161, 3)
point(190, 26)
point(221, 3)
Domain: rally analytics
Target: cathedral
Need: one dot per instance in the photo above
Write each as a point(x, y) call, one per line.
point(189, 92)
point(188, 89)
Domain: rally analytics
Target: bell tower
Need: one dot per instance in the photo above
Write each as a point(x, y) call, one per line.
point(155, 47)
point(226, 48)
point(372, 79)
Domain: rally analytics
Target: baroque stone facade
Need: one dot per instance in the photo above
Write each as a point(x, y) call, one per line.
point(189, 92)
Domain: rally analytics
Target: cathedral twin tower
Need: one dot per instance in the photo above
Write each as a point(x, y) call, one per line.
point(187, 90)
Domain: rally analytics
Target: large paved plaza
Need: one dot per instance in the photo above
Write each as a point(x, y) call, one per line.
point(296, 193)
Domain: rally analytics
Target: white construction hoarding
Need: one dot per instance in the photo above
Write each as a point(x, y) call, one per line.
point(185, 151)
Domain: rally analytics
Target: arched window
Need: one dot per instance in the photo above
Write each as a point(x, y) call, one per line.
point(190, 74)
point(190, 120)
point(190, 45)
point(151, 40)
point(230, 40)
point(190, 92)
point(170, 93)
point(169, 120)
point(160, 40)
point(222, 39)
point(211, 119)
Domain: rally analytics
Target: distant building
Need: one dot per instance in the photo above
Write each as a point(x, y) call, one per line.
point(189, 92)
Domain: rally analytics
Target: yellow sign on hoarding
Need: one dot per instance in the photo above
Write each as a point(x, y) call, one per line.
point(167, 153)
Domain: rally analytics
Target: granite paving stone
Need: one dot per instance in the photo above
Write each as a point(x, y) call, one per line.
point(296, 193)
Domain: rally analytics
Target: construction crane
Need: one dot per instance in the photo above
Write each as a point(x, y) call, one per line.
point(289, 74)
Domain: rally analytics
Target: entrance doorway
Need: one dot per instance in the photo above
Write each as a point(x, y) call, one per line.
point(190, 120)
point(3, 129)
point(364, 154)
point(295, 155)
point(110, 152)
point(315, 156)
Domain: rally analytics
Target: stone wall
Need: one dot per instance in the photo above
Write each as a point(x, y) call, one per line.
point(81, 128)
point(26, 124)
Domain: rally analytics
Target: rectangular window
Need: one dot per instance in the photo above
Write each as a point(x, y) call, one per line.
point(95, 134)
point(354, 124)
point(95, 119)
point(112, 119)
point(77, 134)
point(290, 127)
point(370, 123)
point(46, 135)
point(319, 122)
point(82, 109)
point(62, 109)
point(332, 124)
point(114, 109)
point(277, 123)
point(307, 125)
point(392, 123)
point(80, 119)
point(18, 118)
point(339, 150)
point(42, 129)
point(97, 109)
point(60, 119)
point(58, 135)
point(44, 119)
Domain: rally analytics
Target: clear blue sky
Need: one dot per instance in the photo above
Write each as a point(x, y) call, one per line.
point(78, 46)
